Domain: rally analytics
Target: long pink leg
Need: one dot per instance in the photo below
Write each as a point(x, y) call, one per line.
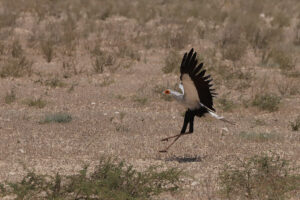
point(166, 149)
point(167, 138)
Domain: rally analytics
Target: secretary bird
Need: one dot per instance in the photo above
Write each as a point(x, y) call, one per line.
point(197, 94)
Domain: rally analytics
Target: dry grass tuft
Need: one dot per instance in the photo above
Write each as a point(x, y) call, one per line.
point(269, 102)
point(172, 62)
point(10, 97)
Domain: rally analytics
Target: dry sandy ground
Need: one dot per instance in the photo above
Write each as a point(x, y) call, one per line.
point(108, 121)
point(121, 114)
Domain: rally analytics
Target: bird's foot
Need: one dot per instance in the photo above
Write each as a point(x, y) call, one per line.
point(165, 139)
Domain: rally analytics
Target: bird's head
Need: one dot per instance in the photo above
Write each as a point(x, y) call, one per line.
point(167, 91)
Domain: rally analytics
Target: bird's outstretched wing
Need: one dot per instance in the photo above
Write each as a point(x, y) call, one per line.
point(202, 83)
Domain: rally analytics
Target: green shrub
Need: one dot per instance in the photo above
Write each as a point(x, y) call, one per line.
point(259, 137)
point(57, 117)
point(269, 102)
point(261, 177)
point(110, 180)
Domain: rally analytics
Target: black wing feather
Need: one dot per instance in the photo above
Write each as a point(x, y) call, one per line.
point(202, 84)
point(197, 69)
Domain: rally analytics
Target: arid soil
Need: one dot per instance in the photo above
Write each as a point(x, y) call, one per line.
point(118, 108)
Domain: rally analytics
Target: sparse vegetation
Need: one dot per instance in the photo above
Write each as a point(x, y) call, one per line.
point(269, 102)
point(85, 53)
point(140, 100)
point(57, 117)
point(127, 51)
point(17, 50)
point(47, 49)
point(259, 137)
point(259, 177)
point(172, 61)
point(106, 82)
point(38, 103)
point(281, 58)
point(109, 180)
point(16, 67)
point(296, 124)
point(102, 61)
point(10, 97)
point(55, 82)
point(226, 104)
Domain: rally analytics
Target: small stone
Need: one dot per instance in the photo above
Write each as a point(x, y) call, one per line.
point(194, 183)
point(225, 129)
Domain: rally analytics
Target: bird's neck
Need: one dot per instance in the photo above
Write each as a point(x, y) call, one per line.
point(178, 96)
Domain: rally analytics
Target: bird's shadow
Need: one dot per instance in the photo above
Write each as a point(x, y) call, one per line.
point(186, 158)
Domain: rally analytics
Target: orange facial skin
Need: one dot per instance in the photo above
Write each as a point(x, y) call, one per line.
point(167, 92)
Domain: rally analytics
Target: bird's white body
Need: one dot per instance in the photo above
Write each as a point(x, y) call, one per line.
point(189, 96)
point(197, 94)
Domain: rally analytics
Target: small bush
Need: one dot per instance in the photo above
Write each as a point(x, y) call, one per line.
point(17, 50)
point(55, 82)
point(269, 102)
point(128, 51)
point(98, 65)
point(227, 105)
point(259, 137)
point(106, 82)
point(235, 51)
point(47, 49)
point(281, 20)
point(38, 103)
point(296, 40)
point(279, 58)
point(57, 117)
point(101, 60)
point(10, 97)
point(284, 59)
point(110, 180)
point(296, 124)
point(261, 177)
point(172, 62)
point(140, 100)
point(16, 67)
point(177, 39)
